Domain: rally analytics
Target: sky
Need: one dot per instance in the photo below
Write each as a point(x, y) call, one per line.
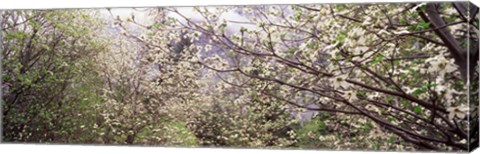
point(142, 17)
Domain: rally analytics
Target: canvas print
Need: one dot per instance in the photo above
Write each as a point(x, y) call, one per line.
point(366, 76)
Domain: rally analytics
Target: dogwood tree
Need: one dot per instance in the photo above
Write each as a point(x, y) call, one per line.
point(217, 113)
point(147, 79)
point(345, 76)
point(405, 68)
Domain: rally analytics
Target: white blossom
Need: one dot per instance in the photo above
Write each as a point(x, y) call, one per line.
point(458, 111)
point(340, 81)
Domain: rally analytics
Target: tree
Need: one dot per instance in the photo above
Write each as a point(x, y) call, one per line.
point(146, 78)
point(349, 76)
point(404, 67)
point(217, 115)
point(239, 118)
point(43, 54)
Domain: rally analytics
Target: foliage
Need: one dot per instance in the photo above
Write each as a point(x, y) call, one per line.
point(336, 76)
point(44, 54)
point(351, 60)
point(249, 120)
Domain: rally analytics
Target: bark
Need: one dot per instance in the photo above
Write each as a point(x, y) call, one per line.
point(459, 54)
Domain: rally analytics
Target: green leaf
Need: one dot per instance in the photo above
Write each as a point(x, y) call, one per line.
point(15, 35)
point(389, 99)
point(418, 110)
point(402, 21)
point(390, 118)
point(422, 26)
point(419, 91)
point(377, 59)
point(341, 38)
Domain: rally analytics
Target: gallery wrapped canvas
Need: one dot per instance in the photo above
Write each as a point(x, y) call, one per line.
point(376, 77)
